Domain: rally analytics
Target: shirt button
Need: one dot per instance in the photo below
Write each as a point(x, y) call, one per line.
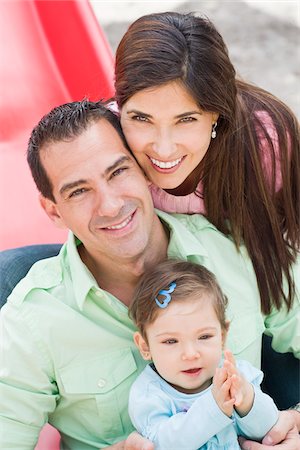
point(101, 383)
point(99, 294)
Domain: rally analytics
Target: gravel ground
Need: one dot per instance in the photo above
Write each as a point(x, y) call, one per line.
point(263, 37)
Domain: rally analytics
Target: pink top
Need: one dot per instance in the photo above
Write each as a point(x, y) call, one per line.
point(192, 203)
point(185, 204)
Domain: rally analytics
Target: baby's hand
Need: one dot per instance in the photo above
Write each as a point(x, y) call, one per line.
point(221, 391)
point(235, 376)
point(241, 391)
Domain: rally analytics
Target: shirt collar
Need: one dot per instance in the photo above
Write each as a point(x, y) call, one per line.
point(82, 279)
point(183, 243)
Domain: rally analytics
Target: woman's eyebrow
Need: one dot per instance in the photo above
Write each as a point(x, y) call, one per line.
point(188, 113)
point(179, 116)
point(141, 113)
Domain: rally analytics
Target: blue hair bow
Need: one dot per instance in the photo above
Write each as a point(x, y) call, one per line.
point(167, 295)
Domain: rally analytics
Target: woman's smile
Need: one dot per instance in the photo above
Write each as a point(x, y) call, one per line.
point(166, 166)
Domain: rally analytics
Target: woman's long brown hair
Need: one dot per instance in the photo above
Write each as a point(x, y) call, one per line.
point(240, 193)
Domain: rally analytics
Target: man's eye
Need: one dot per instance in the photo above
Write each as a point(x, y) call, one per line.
point(118, 171)
point(77, 192)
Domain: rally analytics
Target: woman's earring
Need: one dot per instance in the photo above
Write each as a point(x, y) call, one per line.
point(214, 133)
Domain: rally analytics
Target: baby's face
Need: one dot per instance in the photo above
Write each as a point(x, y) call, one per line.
point(185, 343)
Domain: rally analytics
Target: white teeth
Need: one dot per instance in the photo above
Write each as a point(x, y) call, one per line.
point(121, 225)
point(165, 165)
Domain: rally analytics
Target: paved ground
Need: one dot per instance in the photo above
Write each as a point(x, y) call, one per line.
point(263, 37)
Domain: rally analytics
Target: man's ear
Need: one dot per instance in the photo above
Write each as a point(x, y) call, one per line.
point(142, 346)
point(52, 212)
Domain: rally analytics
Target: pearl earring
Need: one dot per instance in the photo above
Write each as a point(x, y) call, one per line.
point(214, 133)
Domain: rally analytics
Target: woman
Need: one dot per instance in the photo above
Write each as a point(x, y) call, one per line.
point(211, 143)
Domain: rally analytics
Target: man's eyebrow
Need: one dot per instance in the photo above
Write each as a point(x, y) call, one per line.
point(116, 164)
point(179, 116)
point(68, 186)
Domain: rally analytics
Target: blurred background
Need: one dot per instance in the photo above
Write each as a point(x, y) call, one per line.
point(263, 36)
point(56, 51)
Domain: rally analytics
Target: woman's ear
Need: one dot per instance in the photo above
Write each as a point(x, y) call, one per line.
point(215, 117)
point(142, 345)
point(50, 207)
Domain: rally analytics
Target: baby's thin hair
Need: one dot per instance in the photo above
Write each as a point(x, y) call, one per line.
point(190, 279)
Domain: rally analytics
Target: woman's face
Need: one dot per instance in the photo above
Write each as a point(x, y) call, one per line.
point(167, 132)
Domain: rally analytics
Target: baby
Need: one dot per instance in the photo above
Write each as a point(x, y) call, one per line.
point(190, 396)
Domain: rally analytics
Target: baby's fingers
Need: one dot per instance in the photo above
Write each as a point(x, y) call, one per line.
point(230, 368)
point(229, 356)
point(236, 390)
point(225, 388)
point(220, 376)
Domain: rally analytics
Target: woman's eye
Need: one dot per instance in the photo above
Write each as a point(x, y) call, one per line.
point(140, 118)
point(187, 119)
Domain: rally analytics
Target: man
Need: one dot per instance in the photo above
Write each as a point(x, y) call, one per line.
point(67, 351)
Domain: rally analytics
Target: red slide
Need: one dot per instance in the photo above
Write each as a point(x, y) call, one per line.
point(51, 52)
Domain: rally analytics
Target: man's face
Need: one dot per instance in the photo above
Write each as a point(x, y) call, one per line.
point(101, 193)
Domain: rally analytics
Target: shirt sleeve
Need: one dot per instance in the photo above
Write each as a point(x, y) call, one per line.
point(263, 414)
point(260, 419)
point(27, 394)
point(284, 326)
point(154, 415)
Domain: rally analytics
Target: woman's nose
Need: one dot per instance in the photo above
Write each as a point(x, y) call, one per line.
point(164, 145)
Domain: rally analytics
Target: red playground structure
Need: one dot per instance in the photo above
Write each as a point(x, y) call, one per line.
point(50, 53)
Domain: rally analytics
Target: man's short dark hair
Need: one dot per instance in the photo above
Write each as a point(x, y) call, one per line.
point(65, 122)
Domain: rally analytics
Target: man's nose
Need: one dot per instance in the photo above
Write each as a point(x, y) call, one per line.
point(108, 204)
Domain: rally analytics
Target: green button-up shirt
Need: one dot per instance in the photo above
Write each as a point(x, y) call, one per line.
point(67, 354)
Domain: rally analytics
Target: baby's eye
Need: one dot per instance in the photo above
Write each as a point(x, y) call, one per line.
point(205, 336)
point(170, 341)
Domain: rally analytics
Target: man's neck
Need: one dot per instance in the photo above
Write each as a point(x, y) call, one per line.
point(120, 277)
